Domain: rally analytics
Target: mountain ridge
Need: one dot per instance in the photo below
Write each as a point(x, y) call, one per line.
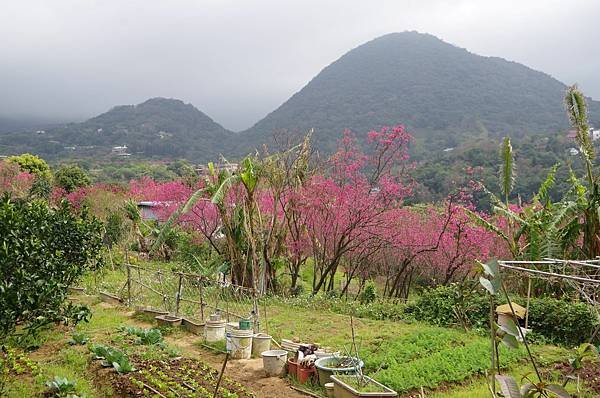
point(443, 94)
point(424, 83)
point(157, 127)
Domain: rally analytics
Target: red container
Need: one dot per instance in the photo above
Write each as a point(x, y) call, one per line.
point(305, 374)
point(292, 367)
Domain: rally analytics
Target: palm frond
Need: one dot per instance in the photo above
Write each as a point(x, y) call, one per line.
point(509, 214)
point(219, 195)
point(482, 222)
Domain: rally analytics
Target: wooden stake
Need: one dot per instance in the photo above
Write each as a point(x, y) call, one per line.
point(178, 295)
point(221, 375)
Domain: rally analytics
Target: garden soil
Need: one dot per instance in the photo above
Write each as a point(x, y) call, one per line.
point(249, 372)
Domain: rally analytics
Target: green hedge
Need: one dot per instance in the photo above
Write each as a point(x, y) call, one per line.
point(554, 321)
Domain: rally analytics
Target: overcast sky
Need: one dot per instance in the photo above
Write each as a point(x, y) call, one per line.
point(239, 60)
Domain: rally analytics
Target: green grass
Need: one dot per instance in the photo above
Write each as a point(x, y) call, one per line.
point(404, 356)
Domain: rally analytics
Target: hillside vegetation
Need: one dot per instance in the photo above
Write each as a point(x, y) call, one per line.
point(157, 128)
point(443, 94)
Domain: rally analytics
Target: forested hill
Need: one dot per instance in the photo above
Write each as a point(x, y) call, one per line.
point(445, 96)
point(159, 127)
point(442, 93)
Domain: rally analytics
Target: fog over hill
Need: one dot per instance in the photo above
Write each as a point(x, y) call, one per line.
point(443, 94)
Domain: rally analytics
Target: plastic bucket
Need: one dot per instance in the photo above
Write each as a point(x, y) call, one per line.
point(214, 331)
point(260, 343)
point(241, 344)
point(245, 324)
point(274, 362)
point(228, 328)
point(292, 367)
point(326, 367)
point(304, 374)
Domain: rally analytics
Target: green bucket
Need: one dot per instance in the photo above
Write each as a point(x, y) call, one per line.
point(245, 324)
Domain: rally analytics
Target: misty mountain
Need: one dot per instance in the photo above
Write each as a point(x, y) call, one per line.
point(442, 93)
point(156, 128)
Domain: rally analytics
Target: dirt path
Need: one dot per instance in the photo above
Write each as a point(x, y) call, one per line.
point(249, 372)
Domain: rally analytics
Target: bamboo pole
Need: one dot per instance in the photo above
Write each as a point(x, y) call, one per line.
point(553, 274)
point(221, 375)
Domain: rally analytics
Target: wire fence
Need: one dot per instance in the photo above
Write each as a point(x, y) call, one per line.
point(192, 296)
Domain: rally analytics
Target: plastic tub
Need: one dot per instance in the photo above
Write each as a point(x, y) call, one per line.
point(292, 368)
point(214, 331)
point(228, 328)
point(327, 366)
point(241, 344)
point(260, 343)
point(343, 390)
point(304, 374)
point(274, 362)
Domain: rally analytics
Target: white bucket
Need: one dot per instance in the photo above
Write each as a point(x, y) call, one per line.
point(214, 331)
point(274, 362)
point(260, 343)
point(241, 344)
point(228, 329)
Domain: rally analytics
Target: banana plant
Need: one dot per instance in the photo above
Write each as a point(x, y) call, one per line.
point(238, 220)
point(577, 113)
point(541, 228)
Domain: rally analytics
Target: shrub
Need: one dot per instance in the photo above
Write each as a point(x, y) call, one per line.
point(555, 321)
point(43, 251)
point(562, 322)
point(114, 228)
point(369, 293)
point(70, 178)
point(440, 306)
point(32, 164)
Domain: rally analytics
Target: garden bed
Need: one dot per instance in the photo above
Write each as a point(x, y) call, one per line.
point(181, 377)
